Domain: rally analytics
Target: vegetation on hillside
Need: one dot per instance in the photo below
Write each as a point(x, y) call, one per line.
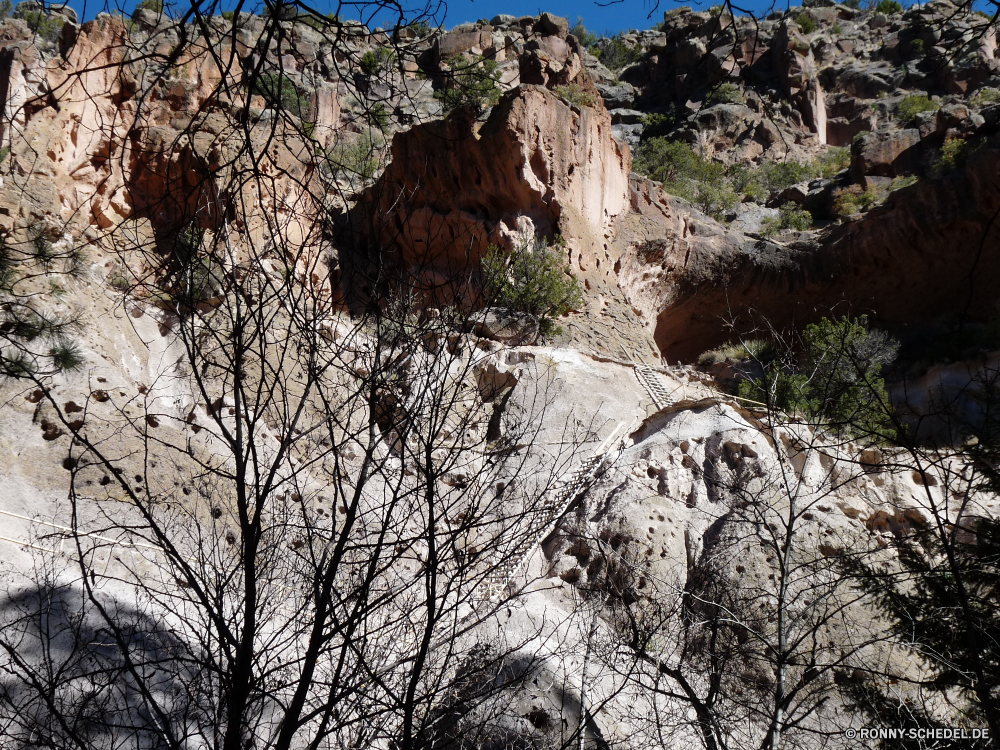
point(38, 334)
point(715, 188)
point(615, 53)
point(833, 379)
point(911, 106)
point(790, 216)
point(534, 278)
point(41, 24)
point(473, 84)
point(574, 93)
point(281, 93)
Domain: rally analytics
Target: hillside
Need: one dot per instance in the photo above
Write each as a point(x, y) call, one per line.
point(501, 386)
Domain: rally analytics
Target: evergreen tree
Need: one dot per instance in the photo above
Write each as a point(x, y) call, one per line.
point(36, 329)
point(943, 599)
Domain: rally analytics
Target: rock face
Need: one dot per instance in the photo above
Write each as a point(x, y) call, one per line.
point(918, 257)
point(453, 188)
point(886, 154)
point(133, 152)
point(652, 266)
point(111, 159)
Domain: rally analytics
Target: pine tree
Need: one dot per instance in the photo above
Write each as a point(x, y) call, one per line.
point(36, 328)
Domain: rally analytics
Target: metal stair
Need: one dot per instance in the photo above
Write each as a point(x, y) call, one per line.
point(650, 380)
point(564, 494)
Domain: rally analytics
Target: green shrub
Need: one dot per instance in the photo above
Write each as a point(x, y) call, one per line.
point(756, 350)
point(586, 38)
point(856, 4)
point(806, 23)
point(888, 7)
point(791, 216)
point(955, 152)
point(746, 181)
point(377, 61)
point(615, 54)
point(472, 85)
point(913, 105)
point(770, 226)
point(716, 198)
point(357, 159)
point(281, 93)
point(686, 175)
point(369, 63)
point(535, 279)
point(378, 116)
point(985, 96)
point(724, 93)
point(778, 175)
point(421, 28)
point(669, 162)
point(229, 15)
point(42, 25)
point(837, 384)
point(716, 10)
point(657, 124)
point(715, 188)
point(852, 200)
point(898, 183)
point(834, 161)
point(6, 9)
point(836, 28)
point(154, 5)
point(574, 93)
point(795, 218)
point(917, 48)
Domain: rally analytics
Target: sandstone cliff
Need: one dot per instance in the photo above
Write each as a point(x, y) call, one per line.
point(313, 186)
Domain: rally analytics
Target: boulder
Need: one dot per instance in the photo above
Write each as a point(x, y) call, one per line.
point(885, 153)
point(617, 96)
point(794, 194)
point(626, 116)
point(507, 326)
point(460, 42)
point(749, 217)
point(628, 134)
point(147, 19)
point(550, 25)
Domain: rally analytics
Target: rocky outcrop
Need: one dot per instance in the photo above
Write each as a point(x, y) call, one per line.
point(924, 254)
point(539, 165)
point(455, 187)
point(136, 149)
point(886, 154)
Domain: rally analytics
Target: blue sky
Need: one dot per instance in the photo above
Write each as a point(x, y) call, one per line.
point(629, 14)
point(599, 16)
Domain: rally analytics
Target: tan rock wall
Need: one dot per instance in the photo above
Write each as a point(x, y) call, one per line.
point(453, 189)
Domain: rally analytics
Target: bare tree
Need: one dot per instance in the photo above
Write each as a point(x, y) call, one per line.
point(748, 650)
point(303, 519)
